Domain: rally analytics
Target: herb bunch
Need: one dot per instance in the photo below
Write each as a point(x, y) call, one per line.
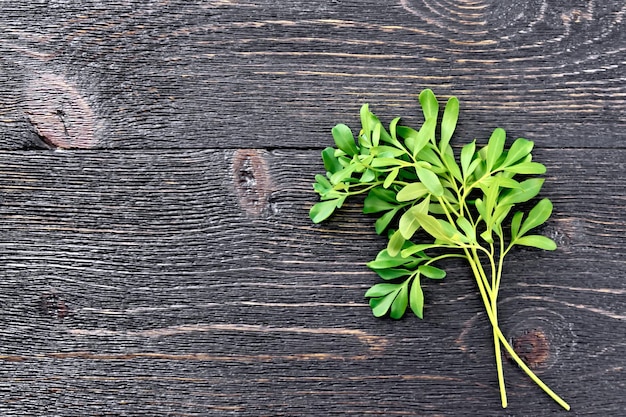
point(434, 206)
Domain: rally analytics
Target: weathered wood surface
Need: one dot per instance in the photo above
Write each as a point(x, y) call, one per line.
point(166, 266)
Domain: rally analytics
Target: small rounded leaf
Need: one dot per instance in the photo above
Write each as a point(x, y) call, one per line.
point(381, 305)
point(394, 246)
point(495, 146)
point(448, 123)
point(520, 148)
point(412, 191)
point(432, 272)
point(322, 210)
point(537, 216)
point(400, 303)
point(344, 139)
point(537, 241)
point(380, 290)
point(430, 105)
point(430, 180)
point(416, 299)
point(527, 168)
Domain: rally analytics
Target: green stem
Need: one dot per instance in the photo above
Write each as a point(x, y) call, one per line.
point(491, 306)
point(496, 345)
point(498, 333)
point(530, 373)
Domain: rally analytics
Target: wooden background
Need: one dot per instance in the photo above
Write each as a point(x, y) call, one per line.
point(156, 163)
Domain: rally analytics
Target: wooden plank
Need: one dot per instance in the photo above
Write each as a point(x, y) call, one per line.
point(168, 267)
point(266, 74)
point(191, 282)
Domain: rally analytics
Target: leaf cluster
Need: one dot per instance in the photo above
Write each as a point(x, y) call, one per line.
point(433, 201)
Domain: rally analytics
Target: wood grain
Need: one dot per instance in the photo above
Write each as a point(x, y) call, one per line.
point(255, 74)
point(130, 274)
point(156, 168)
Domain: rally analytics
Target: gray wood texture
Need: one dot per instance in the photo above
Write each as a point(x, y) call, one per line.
point(156, 252)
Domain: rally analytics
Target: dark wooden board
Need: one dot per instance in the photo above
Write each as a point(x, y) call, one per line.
point(164, 282)
point(257, 74)
point(166, 264)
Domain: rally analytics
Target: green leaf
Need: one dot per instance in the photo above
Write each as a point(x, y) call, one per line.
point(344, 139)
point(432, 226)
point(537, 216)
point(331, 163)
point(383, 221)
point(391, 177)
point(394, 246)
point(430, 105)
point(367, 119)
point(381, 305)
point(322, 210)
point(448, 123)
point(451, 232)
point(367, 177)
point(482, 210)
point(385, 260)
point(486, 236)
point(376, 134)
point(387, 151)
point(321, 184)
point(416, 299)
point(467, 154)
point(515, 224)
point(495, 146)
point(413, 249)
point(453, 167)
point(536, 241)
point(432, 272)
point(467, 228)
point(364, 141)
point(499, 214)
point(393, 131)
point(412, 139)
point(378, 200)
point(412, 191)
point(343, 174)
point(507, 182)
point(473, 167)
point(386, 162)
point(527, 168)
point(430, 180)
point(491, 198)
point(409, 223)
point(381, 289)
point(520, 148)
point(400, 303)
point(428, 155)
point(392, 273)
point(527, 190)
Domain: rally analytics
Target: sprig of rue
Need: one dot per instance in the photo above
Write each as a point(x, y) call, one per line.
point(415, 182)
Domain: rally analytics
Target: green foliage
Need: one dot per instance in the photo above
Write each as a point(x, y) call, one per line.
point(436, 206)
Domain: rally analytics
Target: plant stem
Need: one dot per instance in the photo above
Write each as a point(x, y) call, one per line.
point(490, 305)
point(496, 345)
point(491, 313)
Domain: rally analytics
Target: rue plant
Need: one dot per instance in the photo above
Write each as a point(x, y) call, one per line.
point(434, 206)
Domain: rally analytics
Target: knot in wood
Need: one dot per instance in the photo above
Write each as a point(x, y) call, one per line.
point(252, 180)
point(53, 305)
point(59, 113)
point(533, 347)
